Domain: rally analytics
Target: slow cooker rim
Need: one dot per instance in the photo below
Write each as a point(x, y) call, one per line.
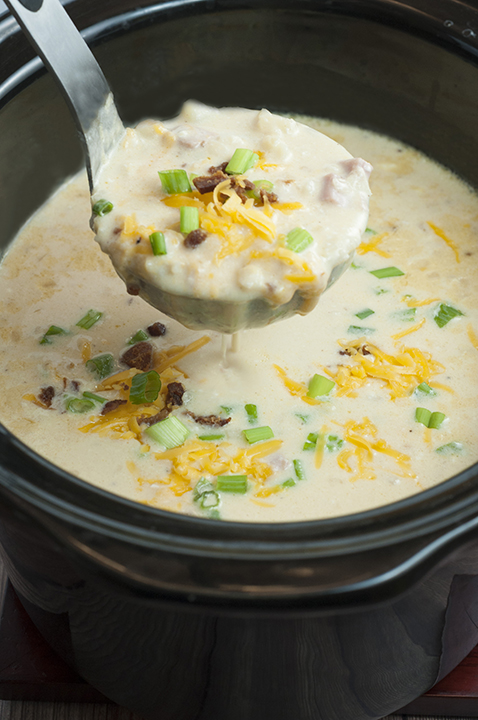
point(438, 511)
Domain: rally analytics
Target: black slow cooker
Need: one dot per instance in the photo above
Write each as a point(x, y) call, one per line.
point(182, 618)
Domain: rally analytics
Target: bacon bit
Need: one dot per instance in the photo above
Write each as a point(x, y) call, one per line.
point(195, 238)
point(157, 329)
point(153, 419)
point(175, 394)
point(219, 168)
point(207, 183)
point(268, 197)
point(211, 420)
point(345, 352)
point(112, 405)
point(46, 395)
point(140, 356)
point(132, 290)
point(75, 385)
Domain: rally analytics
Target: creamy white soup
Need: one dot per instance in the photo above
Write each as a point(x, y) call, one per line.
point(368, 399)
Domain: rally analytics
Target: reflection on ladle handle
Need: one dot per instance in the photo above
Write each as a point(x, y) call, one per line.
point(64, 52)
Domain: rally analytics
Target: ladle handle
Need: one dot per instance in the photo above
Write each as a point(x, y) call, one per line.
point(66, 55)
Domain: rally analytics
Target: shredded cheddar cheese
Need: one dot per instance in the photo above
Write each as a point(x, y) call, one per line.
point(440, 233)
point(367, 246)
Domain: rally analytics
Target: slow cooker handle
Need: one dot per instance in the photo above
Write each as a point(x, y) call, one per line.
point(57, 41)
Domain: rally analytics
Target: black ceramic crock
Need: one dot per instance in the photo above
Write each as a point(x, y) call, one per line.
point(181, 618)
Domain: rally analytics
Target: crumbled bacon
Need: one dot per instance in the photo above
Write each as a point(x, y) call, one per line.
point(140, 356)
point(219, 168)
point(269, 196)
point(195, 238)
point(132, 290)
point(153, 419)
point(157, 329)
point(207, 183)
point(175, 394)
point(211, 420)
point(112, 405)
point(46, 395)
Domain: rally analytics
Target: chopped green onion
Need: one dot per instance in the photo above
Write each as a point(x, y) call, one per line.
point(386, 272)
point(251, 411)
point(358, 330)
point(451, 448)
point(241, 161)
point(102, 207)
point(407, 315)
point(319, 386)
point(210, 438)
point(334, 443)
point(88, 320)
point(259, 185)
point(425, 389)
point(158, 243)
point(254, 435)
point(354, 266)
point(364, 314)
point(305, 418)
point(139, 336)
point(145, 387)
point(289, 483)
point(52, 330)
point(92, 396)
point(102, 365)
point(444, 313)
point(170, 432)
point(78, 405)
point(298, 239)
point(311, 441)
point(436, 420)
point(226, 409)
point(380, 291)
point(232, 483)
point(299, 470)
point(205, 495)
point(369, 230)
point(189, 219)
point(422, 415)
point(175, 182)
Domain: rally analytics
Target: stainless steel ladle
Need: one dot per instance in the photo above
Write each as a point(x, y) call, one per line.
point(59, 44)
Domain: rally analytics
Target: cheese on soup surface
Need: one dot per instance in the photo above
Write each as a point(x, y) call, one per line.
point(368, 399)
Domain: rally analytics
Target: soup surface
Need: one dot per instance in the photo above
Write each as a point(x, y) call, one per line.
point(368, 399)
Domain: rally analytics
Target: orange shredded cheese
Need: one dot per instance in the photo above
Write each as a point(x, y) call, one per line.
point(296, 388)
point(439, 232)
point(472, 335)
point(409, 330)
point(367, 246)
point(419, 303)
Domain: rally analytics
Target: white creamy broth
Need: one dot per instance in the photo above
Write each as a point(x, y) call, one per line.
point(369, 449)
point(275, 207)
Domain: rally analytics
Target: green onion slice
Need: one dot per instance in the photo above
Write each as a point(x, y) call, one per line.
point(102, 365)
point(436, 420)
point(175, 182)
point(451, 448)
point(358, 330)
point(407, 315)
point(210, 438)
point(226, 409)
point(311, 441)
point(88, 320)
point(139, 336)
point(319, 386)
point(298, 239)
point(205, 495)
point(299, 470)
point(170, 432)
point(254, 435)
point(251, 411)
point(305, 418)
point(158, 243)
point(52, 330)
point(334, 443)
point(232, 483)
point(289, 483)
point(145, 387)
point(79, 405)
point(444, 313)
point(102, 207)
point(425, 389)
point(241, 161)
point(189, 219)
point(422, 415)
point(370, 231)
point(92, 396)
point(364, 314)
point(259, 185)
point(387, 272)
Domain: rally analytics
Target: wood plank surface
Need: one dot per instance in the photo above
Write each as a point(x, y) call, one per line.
point(28, 710)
